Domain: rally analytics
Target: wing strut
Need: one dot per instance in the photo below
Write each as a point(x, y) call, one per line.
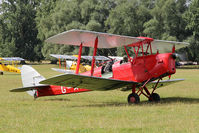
point(59, 63)
point(79, 59)
point(127, 52)
point(65, 64)
point(94, 54)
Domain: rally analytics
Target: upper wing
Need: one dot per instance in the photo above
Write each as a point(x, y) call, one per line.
point(106, 40)
point(162, 46)
point(87, 38)
point(166, 46)
point(86, 82)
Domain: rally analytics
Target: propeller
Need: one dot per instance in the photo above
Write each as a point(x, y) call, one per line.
point(180, 56)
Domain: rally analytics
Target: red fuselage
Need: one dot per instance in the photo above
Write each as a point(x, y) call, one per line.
point(145, 67)
point(139, 69)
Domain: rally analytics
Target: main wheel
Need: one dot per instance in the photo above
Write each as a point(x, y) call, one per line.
point(133, 98)
point(154, 97)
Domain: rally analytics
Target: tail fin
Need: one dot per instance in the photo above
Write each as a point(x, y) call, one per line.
point(30, 77)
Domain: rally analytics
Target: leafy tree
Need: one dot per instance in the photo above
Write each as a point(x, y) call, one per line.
point(54, 17)
point(167, 22)
point(192, 18)
point(66, 15)
point(26, 24)
point(128, 18)
point(155, 27)
point(173, 19)
point(20, 32)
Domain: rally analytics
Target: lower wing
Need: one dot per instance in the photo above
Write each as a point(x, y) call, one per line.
point(87, 82)
point(163, 83)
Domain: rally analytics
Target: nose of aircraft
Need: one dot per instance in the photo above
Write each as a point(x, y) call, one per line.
point(168, 60)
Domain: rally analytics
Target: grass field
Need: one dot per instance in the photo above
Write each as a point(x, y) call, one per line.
point(96, 112)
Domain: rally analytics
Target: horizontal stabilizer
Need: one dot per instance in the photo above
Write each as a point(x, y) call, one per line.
point(23, 89)
point(87, 82)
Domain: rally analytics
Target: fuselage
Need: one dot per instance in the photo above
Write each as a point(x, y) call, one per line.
point(57, 90)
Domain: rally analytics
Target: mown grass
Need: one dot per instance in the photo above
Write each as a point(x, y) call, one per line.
point(97, 111)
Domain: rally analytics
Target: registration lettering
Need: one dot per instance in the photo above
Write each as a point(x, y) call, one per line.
point(63, 90)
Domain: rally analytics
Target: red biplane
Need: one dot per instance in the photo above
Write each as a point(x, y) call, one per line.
point(139, 73)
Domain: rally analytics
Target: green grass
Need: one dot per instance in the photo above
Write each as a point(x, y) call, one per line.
point(98, 112)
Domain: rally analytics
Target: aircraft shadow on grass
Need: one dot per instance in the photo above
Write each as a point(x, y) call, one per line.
point(163, 101)
point(179, 100)
point(57, 99)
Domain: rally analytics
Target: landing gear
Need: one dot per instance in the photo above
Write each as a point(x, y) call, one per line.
point(154, 97)
point(133, 98)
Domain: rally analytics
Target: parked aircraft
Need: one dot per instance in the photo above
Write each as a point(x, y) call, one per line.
point(70, 62)
point(139, 73)
point(9, 64)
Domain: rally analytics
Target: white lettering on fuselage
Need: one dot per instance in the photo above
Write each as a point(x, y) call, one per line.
point(63, 90)
point(76, 89)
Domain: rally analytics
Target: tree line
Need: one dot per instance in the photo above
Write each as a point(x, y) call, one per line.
point(26, 24)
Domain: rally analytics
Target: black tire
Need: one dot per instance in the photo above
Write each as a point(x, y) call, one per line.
point(154, 97)
point(35, 95)
point(133, 98)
